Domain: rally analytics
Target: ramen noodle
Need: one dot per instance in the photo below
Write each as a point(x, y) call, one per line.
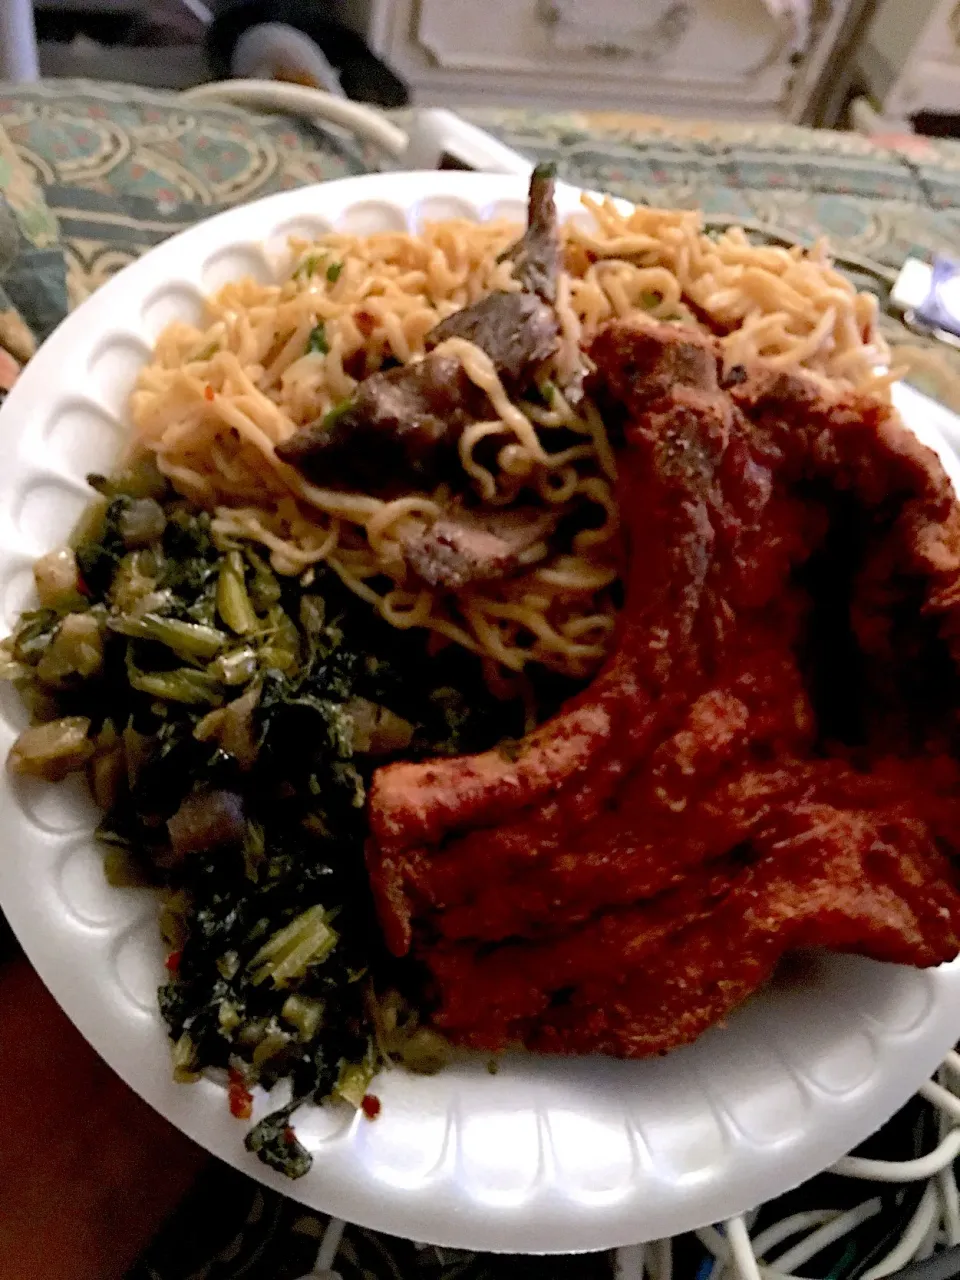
point(269, 359)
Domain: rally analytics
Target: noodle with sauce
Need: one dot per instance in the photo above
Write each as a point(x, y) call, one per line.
point(216, 401)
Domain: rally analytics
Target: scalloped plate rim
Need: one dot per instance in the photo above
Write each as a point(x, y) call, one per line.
point(510, 1208)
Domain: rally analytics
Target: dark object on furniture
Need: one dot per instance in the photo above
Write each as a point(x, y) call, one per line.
point(363, 76)
point(937, 124)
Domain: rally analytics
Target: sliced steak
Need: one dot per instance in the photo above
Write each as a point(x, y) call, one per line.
point(516, 330)
point(401, 428)
point(536, 255)
point(468, 546)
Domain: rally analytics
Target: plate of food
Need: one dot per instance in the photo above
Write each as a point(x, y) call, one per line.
point(481, 705)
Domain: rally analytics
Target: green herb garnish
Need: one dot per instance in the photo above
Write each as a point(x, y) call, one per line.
point(318, 340)
point(308, 266)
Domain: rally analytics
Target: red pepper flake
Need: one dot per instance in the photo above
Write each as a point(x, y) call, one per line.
point(85, 590)
point(172, 962)
point(370, 1106)
point(241, 1099)
point(289, 1136)
point(366, 322)
point(209, 392)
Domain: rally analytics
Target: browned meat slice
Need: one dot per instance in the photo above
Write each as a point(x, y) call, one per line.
point(516, 330)
point(474, 546)
point(402, 427)
point(536, 255)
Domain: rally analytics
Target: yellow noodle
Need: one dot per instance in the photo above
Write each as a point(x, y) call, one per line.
point(219, 396)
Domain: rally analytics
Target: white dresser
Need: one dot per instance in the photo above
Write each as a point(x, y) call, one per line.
point(909, 58)
point(740, 58)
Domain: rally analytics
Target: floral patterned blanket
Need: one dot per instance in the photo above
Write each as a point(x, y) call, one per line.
point(93, 175)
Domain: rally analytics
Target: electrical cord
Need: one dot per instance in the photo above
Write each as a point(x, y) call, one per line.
point(800, 1254)
point(941, 1097)
point(311, 104)
point(330, 1244)
point(661, 1260)
point(327, 1253)
point(920, 1127)
point(913, 1238)
point(916, 1208)
point(942, 1266)
point(947, 1178)
point(783, 1231)
point(631, 1262)
point(741, 1251)
point(713, 1242)
point(902, 1170)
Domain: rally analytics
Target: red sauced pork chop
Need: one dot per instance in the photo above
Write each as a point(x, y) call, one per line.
point(767, 760)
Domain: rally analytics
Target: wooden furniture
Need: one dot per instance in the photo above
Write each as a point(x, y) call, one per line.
point(726, 58)
point(908, 59)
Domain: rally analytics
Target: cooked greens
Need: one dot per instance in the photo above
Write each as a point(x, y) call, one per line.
point(228, 721)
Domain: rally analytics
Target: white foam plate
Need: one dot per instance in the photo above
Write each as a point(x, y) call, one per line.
point(548, 1155)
